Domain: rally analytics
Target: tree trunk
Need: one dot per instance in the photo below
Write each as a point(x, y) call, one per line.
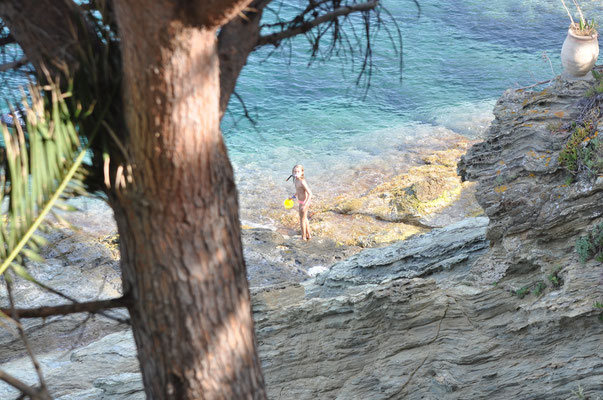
point(177, 212)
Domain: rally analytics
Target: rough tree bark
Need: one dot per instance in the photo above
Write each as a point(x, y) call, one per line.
point(237, 39)
point(182, 258)
point(176, 206)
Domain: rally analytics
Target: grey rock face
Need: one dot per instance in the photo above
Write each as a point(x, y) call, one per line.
point(535, 216)
point(273, 259)
point(415, 333)
point(104, 369)
point(454, 247)
point(410, 339)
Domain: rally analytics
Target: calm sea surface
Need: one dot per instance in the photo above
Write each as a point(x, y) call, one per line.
point(459, 56)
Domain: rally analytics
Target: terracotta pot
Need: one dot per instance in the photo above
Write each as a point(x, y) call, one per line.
point(579, 54)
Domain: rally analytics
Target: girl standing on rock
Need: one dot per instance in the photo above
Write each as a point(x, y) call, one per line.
point(303, 195)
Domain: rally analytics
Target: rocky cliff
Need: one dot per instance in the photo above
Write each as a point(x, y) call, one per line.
point(501, 307)
point(537, 208)
point(504, 308)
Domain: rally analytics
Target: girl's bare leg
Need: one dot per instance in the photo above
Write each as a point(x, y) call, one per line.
point(302, 224)
point(305, 225)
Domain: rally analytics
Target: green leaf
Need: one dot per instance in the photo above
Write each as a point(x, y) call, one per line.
point(32, 255)
point(41, 164)
point(23, 273)
point(42, 172)
point(39, 240)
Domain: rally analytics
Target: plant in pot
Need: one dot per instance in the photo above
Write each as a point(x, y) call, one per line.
point(581, 46)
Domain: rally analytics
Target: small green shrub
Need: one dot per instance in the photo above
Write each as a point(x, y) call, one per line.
point(535, 288)
point(591, 245)
point(583, 248)
point(585, 27)
point(554, 126)
point(554, 278)
point(598, 306)
point(598, 87)
point(570, 155)
point(540, 286)
point(579, 393)
point(522, 292)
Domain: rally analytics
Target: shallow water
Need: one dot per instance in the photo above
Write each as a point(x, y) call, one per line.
point(459, 56)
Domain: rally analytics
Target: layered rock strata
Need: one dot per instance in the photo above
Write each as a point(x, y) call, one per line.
point(536, 212)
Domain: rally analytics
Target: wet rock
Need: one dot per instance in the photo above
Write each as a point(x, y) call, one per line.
point(409, 197)
point(427, 195)
point(273, 258)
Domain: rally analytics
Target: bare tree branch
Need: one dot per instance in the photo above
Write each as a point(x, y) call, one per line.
point(13, 65)
point(43, 392)
point(32, 392)
point(236, 40)
point(91, 307)
point(253, 122)
point(277, 37)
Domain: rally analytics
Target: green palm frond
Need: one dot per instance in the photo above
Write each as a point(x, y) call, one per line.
point(41, 171)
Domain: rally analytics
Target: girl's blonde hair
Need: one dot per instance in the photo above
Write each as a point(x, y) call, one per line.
point(303, 176)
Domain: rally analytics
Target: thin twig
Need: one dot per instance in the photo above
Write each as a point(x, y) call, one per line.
point(75, 302)
point(32, 356)
point(7, 40)
point(277, 37)
point(13, 65)
point(76, 307)
point(568, 12)
point(546, 57)
point(579, 12)
point(253, 122)
point(534, 85)
point(22, 387)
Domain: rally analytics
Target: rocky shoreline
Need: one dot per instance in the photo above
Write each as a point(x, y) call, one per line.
point(498, 306)
point(427, 195)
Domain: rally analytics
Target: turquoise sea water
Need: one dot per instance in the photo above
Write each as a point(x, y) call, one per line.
point(459, 56)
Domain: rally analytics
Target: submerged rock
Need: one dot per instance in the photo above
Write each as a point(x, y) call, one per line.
point(427, 195)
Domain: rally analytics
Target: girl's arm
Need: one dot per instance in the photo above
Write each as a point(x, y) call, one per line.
point(308, 194)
